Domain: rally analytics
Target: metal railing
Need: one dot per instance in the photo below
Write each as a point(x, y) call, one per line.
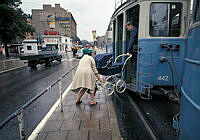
point(10, 64)
point(19, 112)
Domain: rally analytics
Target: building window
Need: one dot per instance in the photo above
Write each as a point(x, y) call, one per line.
point(39, 47)
point(29, 47)
point(197, 11)
point(165, 19)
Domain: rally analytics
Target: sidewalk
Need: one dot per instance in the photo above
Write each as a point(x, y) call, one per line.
point(82, 122)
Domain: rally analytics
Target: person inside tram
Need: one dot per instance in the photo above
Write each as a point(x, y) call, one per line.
point(133, 37)
point(85, 77)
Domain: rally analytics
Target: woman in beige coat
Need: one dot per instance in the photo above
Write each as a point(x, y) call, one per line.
point(85, 77)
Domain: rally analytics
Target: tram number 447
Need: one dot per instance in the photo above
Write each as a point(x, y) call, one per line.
point(163, 78)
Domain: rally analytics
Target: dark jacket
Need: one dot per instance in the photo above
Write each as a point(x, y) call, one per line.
point(133, 39)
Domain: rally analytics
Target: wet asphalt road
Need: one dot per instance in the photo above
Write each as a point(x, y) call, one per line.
point(158, 113)
point(19, 86)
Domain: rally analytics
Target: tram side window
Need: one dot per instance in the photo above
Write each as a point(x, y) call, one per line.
point(165, 19)
point(132, 15)
point(119, 34)
point(197, 11)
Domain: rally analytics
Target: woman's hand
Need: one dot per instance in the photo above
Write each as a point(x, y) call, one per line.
point(100, 80)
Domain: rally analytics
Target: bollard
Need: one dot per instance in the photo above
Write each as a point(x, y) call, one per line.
point(21, 125)
point(60, 90)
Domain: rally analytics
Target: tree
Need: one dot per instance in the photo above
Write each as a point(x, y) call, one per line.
point(13, 22)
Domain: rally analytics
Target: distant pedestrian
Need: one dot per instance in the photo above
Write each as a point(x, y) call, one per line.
point(7, 51)
point(85, 77)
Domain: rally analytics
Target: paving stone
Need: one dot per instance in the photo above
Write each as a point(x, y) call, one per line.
point(105, 125)
point(103, 107)
point(100, 115)
point(65, 115)
point(70, 125)
point(54, 116)
point(102, 95)
point(52, 126)
point(92, 108)
point(77, 108)
point(65, 108)
point(82, 115)
point(41, 136)
point(69, 102)
point(78, 135)
point(100, 135)
point(89, 125)
point(57, 135)
point(97, 97)
point(100, 101)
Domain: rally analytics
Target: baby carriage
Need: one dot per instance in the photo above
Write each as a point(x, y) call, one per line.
point(113, 72)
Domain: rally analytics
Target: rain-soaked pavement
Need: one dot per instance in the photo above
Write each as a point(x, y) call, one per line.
point(19, 86)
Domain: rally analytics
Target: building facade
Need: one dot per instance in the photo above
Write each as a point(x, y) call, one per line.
point(54, 19)
point(101, 41)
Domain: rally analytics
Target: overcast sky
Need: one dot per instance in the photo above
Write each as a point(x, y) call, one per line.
point(89, 14)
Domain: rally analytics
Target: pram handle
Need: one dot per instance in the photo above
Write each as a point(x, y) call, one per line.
point(129, 56)
point(121, 56)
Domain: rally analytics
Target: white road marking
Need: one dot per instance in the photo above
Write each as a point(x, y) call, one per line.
point(39, 127)
point(12, 69)
point(9, 60)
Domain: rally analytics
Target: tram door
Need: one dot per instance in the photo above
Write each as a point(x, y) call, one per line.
point(119, 35)
point(132, 15)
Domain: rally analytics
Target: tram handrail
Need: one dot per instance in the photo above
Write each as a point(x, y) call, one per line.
point(20, 110)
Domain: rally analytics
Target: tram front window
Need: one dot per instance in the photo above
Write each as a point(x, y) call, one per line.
point(165, 19)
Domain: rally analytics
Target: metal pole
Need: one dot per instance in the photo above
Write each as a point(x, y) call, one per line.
point(4, 65)
point(61, 100)
point(14, 63)
point(21, 125)
point(115, 4)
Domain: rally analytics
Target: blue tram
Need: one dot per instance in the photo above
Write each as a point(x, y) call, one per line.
point(190, 99)
point(162, 26)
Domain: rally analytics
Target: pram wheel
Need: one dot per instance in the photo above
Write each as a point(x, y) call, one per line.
point(120, 86)
point(108, 88)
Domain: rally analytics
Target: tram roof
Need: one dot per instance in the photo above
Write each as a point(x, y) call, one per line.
point(127, 3)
